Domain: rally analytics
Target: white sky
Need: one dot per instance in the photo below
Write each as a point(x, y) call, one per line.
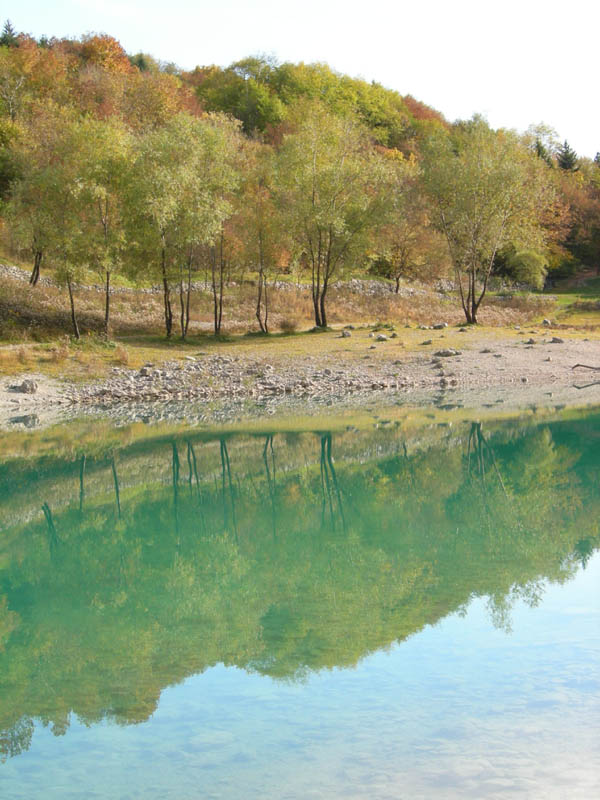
point(518, 62)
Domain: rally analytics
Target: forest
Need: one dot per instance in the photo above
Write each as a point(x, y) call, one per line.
point(140, 174)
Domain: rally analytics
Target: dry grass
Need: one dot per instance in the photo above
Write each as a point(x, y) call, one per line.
point(60, 352)
point(35, 324)
point(42, 314)
point(121, 355)
point(10, 361)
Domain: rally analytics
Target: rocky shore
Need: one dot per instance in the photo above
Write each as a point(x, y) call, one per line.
point(544, 366)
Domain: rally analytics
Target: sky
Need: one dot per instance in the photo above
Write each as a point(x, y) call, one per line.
point(518, 62)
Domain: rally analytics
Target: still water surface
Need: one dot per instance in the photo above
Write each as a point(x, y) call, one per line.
point(382, 614)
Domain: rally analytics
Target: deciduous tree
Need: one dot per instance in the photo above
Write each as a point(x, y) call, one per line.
point(333, 188)
point(106, 149)
point(178, 198)
point(486, 189)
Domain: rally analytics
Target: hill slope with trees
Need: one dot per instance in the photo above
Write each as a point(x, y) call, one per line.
point(130, 169)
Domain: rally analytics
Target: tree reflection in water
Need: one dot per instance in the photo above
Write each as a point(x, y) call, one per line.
point(131, 583)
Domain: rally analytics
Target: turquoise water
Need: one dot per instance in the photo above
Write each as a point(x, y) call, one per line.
point(385, 613)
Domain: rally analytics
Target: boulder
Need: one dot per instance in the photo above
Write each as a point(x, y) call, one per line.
point(447, 353)
point(28, 386)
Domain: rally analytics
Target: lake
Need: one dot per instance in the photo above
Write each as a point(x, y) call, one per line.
point(405, 609)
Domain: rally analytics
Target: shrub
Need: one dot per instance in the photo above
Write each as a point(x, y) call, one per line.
point(287, 325)
point(527, 266)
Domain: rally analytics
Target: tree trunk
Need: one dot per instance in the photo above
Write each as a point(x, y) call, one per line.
point(221, 275)
point(266, 307)
point(107, 304)
point(166, 295)
point(259, 302)
point(35, 272)
point(189, 293)
point(181, 304)
point(316, 298)
point(184, 297)
point(217, 286)
point(262, 287)
point(213, 264)
point(474, 304)
point(316, 287)
point(73, 314)
point(322, 305)
point(469, 303)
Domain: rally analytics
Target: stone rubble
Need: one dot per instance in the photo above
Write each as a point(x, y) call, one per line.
point(218, 377)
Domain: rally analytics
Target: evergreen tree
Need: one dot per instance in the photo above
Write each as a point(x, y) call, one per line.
point(9, 36)
point(566, 157)
point(542, 152)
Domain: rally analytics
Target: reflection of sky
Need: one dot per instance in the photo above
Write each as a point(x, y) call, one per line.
point(461, 710)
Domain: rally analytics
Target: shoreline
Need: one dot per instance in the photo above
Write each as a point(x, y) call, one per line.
point(532, 367)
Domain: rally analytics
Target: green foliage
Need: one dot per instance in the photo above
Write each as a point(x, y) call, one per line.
point(527, 266)
point(562, 265)
point(178, 196)
point(144, 62)
point(9, 37)
point(178, 185)
point(260, 93)
point(9, 168)
point(335, 189)
point(242, 92)
point(487, 189)
point(357, 541)
point(89, 89)
point(542, 152)
point(566, 157)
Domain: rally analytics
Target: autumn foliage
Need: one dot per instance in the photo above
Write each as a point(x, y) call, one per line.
point(67, 106)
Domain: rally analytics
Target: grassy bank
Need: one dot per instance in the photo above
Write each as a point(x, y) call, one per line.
point(35, 324)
